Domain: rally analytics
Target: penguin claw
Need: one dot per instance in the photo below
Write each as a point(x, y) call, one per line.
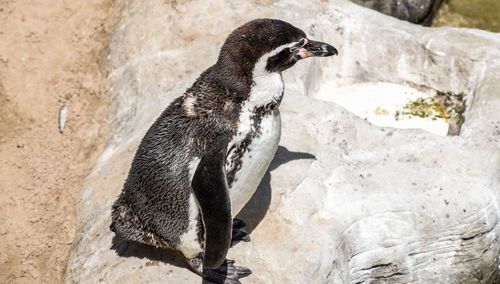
point(239, 233)
point(239, 236)
point(238, 223)
point(227, 273)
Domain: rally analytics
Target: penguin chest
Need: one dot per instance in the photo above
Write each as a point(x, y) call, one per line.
point(250, 153)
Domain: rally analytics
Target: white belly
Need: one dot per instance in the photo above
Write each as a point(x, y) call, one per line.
point(254, 161)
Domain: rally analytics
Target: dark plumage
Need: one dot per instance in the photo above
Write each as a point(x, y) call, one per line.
point(153, 207)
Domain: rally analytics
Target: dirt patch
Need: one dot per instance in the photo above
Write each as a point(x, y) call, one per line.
point(49, 54)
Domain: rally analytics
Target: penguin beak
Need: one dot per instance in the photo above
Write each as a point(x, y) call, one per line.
point(309, 48)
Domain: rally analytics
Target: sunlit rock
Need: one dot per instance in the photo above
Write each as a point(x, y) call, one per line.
point(345, 200)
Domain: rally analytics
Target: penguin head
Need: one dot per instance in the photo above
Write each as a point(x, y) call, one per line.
point(269, 45)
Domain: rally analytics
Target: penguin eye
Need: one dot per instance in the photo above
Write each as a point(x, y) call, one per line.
point(302, 42)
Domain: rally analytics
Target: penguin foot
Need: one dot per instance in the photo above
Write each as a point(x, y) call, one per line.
point(240, 232)
point(227, 273)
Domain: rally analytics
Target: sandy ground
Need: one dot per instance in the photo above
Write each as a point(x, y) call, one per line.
point(49, 53)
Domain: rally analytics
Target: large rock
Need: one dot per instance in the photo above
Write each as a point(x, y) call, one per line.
point(344, 201)
point(415, 11)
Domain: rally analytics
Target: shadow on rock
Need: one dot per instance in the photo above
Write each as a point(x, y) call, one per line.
point(256, 208)
point(125, 248)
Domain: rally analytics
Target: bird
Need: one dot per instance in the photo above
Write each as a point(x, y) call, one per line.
point(205, 155)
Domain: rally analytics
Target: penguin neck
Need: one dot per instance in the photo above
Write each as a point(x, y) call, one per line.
point(257, 86)
point(238, 76)
point(267, 88)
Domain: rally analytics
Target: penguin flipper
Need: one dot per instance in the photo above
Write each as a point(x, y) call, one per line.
point(212, 194)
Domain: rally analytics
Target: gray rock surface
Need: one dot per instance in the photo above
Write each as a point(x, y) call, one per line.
point(344, 201)
point(415, 11)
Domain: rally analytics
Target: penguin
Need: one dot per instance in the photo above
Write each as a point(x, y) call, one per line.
point(203, 158)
